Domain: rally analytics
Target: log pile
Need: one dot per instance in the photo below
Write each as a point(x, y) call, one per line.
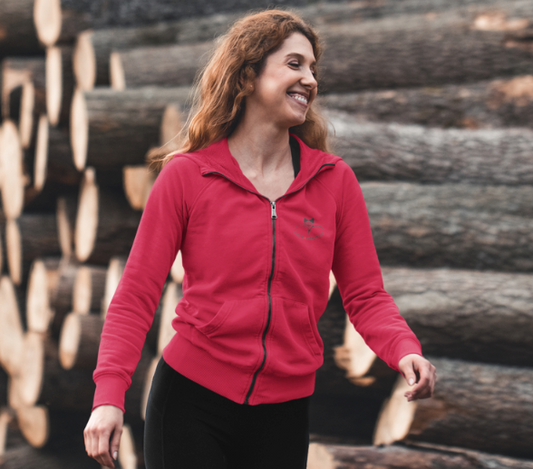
point(431, 104)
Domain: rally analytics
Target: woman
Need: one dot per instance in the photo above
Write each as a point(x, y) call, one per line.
point(261, 213)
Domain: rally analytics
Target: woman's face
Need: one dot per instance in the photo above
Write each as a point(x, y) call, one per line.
point(286, 85)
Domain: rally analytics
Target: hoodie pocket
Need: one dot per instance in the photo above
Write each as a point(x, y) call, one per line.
point(234, 333)
point(294, 347)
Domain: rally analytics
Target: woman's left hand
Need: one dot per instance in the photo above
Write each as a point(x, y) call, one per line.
point(420, 373)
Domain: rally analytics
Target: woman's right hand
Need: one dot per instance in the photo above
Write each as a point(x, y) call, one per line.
point(102, 434)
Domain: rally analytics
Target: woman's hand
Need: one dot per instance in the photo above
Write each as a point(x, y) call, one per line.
point(102, 434)
point(420, 373)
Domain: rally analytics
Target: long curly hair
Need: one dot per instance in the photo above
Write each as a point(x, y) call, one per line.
point(224, 82)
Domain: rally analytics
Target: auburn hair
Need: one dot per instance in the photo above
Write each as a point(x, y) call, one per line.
point(224, 82)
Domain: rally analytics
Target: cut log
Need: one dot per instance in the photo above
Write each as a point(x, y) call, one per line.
point(79, 341)
point(41, 379)
point(126, 453)
point(171, 297)
point(27, 457)
point(110, 129)
point(11, 331)
point(13, 177)
point(442, 308)
point(61, 296)
point(18, 31)
point(32, 235)
point(453, 225)
point(93, 47)
point(486, 104)
point(66, 215)
point(477, 406)
point(413, 51)
point(60, 167)
point(381, 151)
point(59, 83)
point(89, 289)
point(56, 432)
point(48, 21)
point(326, 456)
point(113, 275)
point(105, 223)
point(177, 271)
point(148, 384)
point(138, 181)
point(162, 65)
point(16, 71)
point(476, 316)
point(133, 401)
point(41, 282)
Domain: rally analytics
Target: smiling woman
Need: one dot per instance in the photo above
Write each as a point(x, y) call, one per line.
point(262, 214)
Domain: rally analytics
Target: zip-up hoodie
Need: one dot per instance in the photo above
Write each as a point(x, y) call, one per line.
point(256, 279)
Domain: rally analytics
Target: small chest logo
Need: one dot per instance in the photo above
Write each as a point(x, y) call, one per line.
point(309, 230)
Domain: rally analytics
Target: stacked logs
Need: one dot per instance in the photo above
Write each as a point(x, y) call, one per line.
point(429, 125)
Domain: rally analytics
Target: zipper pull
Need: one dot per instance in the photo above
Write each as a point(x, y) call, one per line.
point(274, 214)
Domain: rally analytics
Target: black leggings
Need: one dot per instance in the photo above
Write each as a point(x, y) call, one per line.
point(190, 427)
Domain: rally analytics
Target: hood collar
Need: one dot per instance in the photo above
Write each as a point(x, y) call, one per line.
point(217, 158)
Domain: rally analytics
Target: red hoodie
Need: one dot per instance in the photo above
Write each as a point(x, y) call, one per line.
point(256, 279)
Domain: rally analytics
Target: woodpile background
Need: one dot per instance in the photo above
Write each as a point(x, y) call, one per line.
point(432, 106)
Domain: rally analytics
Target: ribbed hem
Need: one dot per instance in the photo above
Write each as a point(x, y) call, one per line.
point(110, 390)
point(229, 381)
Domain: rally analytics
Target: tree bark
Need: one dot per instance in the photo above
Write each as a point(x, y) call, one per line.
point(326, 456)
point(452, 225)
point(32, 235)
point(490, 104)
point(105, 223)
point(16, 22)
point(413, 52)
point(111, 129)
point(27, 457)
point(60, 167)
point(61, 296)
point(476, 316)
point(390, 151)
point(161, 65)
point(16, 71)
point(477, 406)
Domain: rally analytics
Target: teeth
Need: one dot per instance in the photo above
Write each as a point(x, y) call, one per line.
point(299, 98)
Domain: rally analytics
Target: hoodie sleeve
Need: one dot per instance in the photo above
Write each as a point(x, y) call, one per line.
point(132, 308)
point(370, 308)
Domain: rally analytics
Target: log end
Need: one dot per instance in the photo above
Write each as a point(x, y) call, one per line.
point(87, 217)
point(117, 77)
point(79, 129)
point(84, 61)
point(47, 19)
point(69, 341)
point(54, 84)
point(34, 425)
point(396, 416)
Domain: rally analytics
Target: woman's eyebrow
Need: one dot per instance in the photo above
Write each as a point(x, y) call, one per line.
point(299, 56)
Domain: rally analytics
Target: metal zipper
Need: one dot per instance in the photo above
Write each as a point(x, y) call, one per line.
point(274, 216)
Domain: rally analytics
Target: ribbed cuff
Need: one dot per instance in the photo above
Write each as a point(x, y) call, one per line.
point(110, 390)
point(405, 347)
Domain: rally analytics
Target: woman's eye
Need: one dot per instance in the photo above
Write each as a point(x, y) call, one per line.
point(294, 64)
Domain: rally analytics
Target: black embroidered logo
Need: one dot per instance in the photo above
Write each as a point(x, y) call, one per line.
point(309, 230)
